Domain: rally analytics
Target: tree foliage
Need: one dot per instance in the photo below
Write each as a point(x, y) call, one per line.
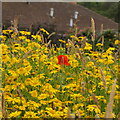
point(108, 9)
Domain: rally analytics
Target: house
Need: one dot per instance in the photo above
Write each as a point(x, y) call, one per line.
point(62, 15)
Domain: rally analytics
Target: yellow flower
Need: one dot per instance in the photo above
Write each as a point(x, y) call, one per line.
point(32, 105)
point(7, 31)
point(25, 33)
point(71, 85)
point(30, 114)
point(3, 37)
point(66, 102)
point(90, 64)
point(90, 107)
point(117, 96)
point(53, 71)
point(99, 44)
point(95, 54)
point(74, 37)
point(57, 86)
point(27, 70)
point(117, 42)
point(25, 62)
point(38, 37)
point(21, 71)
point(110, 50)
point(50, 111)
point(54, 59)
point(48, 87)
point(100, 97)
point(70, 78)
point(13, 73)
point(101, 60)
point(34, 93)
point(109, 61)
point(57, 102)
point(43, 58)
point(76, 106)
point(6, 58)
point(1, 114)
point(68, 44)
point(21, 38)
point(97, 110)
point(22, 86)
point(17, 99)
point(93, 108)
point(81, 38)
point(4, 48)
point(43, 96)
point(88, 46)
point(27, 40)
point(44, 102)
point(21, 107)
point(76, 95)
point(14, 60)
point(62, 41)
point(34, 82)
point(42, 29)
point(41, 76)
point(74, 63)
point(8, 99)
point(16, 45)
point(14, 34)
point(14, 114)
point(81, 112)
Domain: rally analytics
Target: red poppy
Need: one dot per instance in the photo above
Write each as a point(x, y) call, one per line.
point(63, 60)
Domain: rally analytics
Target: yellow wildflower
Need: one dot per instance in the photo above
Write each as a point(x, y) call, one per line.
point(30, 114)
point(21, 107)
point(25, 33)
point(42, 29)
point(62, 41)
point(14, 34)
point(27, 70)
point(90, 64)
point(43, 96)
point(74, 37)
point(99, 44)
point(34, 93)
point(21, 38)
point(7, 31)
point(3, 37)
point(6, 58)
point(117, 42)
point(81, 38)
point(14, 114)
point(88, 46)
point(74, 63)
point(38, 37)
point(27, 40)
point(70, 78)
point(13, 73)
point(93, 108)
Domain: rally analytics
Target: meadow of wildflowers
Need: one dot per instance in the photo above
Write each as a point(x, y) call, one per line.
point(43, 82)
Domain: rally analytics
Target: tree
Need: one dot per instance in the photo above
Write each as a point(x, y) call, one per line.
point(108, 9)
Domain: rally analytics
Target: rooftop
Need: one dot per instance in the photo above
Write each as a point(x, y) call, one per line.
point(38, 13)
